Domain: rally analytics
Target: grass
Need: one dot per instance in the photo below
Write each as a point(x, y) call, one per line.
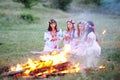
point(18, 37)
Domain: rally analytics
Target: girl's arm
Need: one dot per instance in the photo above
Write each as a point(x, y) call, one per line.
point(66, 36)
point(46, 37)
point(60, 34)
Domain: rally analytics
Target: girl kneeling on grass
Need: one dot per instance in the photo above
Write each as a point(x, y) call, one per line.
point(93, 49)
point(52, 37)
point(88, 48)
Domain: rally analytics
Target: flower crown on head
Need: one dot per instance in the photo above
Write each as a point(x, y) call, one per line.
point(71, 21)
point(52, 21)
point(86, 24)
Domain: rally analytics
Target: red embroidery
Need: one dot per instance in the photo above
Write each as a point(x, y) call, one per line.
point(44, 40)
point(55, 46)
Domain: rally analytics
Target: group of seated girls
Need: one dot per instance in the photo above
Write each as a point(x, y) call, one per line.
point(83, 37)
point(82, 40)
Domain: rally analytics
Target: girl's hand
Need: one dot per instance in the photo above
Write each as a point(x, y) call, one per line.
point(65, 37)
point(55, 38)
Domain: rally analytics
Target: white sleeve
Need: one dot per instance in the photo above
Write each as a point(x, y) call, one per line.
point(90, 39)
point(46, 37)
point(60, 34)
point(65, 34)
point(76, 35)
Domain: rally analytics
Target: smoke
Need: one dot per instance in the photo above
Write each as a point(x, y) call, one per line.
point(110, 6)
point(106, 7)
point(84, 12)
point(89, 60)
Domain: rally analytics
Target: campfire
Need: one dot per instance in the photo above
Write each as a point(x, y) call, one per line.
point(55, 63)
point(50, 64)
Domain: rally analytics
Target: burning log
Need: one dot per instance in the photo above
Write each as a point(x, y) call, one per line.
point(56, 68)
point(51, 64)
point(62, 67)
point(4, 69)
point(11, 73)
point(4, 74)
point(40, 72)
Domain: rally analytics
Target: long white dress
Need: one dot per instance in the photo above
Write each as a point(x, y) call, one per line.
point(92, 51)
point(88, 51)
point(78, 43)
point(51, 44)
point(88, 44)
point(82, 37)
point(93, 47)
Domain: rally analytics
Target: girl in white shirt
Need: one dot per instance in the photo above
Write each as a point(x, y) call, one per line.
point(69, 34)
point(52, 37)
point(93, 49)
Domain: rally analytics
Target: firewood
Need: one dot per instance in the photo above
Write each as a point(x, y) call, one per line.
point(40, 52)
point(62, 66)
point(58, 67)
point(11, 73)
point(35, 73)
point(4, 69)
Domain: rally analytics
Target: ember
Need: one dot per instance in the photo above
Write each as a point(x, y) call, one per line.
point(101, 67)
point(104, 31)
point(51, 64)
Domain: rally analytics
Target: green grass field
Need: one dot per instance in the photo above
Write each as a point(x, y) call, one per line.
point(18, 37)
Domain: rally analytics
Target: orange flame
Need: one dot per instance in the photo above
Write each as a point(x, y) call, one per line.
point(102, 67)
point(104, 32)
point(55, 57)
point(48, 60)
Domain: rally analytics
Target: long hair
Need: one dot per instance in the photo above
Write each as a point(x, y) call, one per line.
point(92, 25)
point(89, 29)
point(78, 30)
point(73, 28)
point(50, 28)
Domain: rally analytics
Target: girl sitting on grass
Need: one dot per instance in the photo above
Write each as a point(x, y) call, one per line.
point(81, 33)
point(80, 38)
point(69, 34)
point(52, 37)
point(93, 49)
